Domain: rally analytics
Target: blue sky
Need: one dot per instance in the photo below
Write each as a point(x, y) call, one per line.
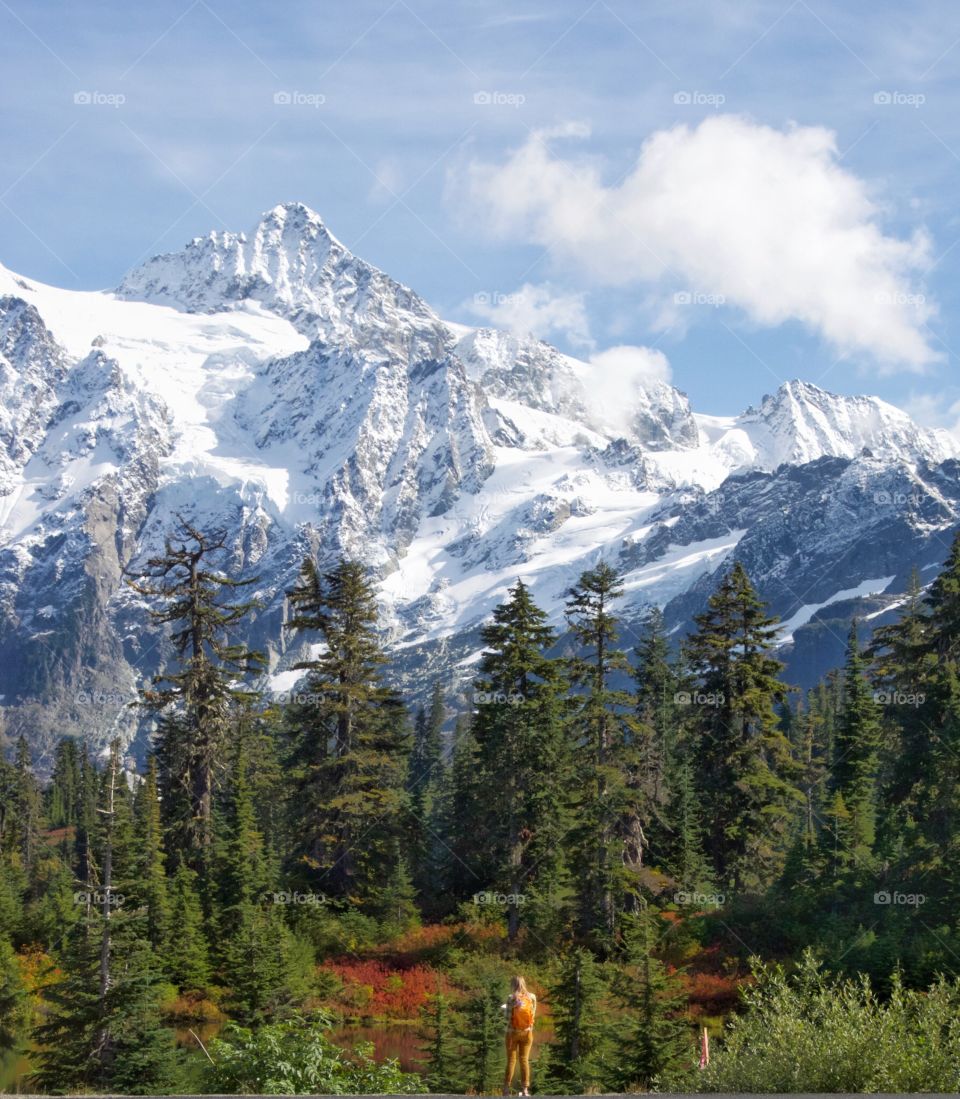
point(734, 193)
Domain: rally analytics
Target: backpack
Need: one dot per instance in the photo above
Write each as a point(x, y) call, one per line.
point(521, 1015)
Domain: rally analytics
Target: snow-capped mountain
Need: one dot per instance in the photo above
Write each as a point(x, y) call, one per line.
point(275, 385)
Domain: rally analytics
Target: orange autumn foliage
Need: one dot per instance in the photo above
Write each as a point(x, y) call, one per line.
point(376, 989)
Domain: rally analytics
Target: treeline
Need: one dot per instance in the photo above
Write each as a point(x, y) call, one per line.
point(582, 796)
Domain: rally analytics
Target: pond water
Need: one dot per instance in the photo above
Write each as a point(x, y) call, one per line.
point(390, 1042)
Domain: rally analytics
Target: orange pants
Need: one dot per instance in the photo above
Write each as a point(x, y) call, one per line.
point(519, 1044)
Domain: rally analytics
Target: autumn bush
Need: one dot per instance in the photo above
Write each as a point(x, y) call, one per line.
point(374, 988)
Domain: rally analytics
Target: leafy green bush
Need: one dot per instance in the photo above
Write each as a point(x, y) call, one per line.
point(811, 1032)
point(298, 1058)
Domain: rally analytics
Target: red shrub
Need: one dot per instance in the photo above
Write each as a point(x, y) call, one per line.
point(376, 989)
point(712, 991)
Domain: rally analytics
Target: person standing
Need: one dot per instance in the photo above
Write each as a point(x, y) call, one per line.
point(521, 1011)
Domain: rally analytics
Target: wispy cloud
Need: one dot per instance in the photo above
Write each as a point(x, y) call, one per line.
point(737, 213)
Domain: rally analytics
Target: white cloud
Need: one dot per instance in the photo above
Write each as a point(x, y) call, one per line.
point(727, 212)
point(931, 410)
point(536, 310)
point(617, 378)
point(632, 366)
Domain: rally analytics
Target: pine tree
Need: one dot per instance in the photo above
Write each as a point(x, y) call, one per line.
point(482, 1038)
point(745, 768)
point(13, 996)
point(87, 823)
point(104, 1031)
point(12, 887)
point(522, 756)
point(427, 755)
point(440, 1047)
point(615, 801)
point(943, 636)
point(254, 942)
point(804, 864)
point(855, 762)
point(153, 887)
point(63, 796)
point(682, 845)
point(657, 1037)
point(350, 738)
point(465, 868)
point(187, 958)
point(426, 777)
point(580, 1058)
point(195, 703)
point(657, 687)
point(27, 805)
point(396, 905)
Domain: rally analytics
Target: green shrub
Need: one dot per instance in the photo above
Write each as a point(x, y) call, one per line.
point(811, 1032)
point(297, 1057)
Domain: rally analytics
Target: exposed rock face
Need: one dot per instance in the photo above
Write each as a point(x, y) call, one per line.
point(275, 385)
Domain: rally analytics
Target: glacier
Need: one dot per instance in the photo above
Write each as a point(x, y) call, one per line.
point(275, 385)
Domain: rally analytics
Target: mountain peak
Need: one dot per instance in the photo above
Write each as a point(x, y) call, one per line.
point(801, 422)
point(282, 262)
point(296, 219)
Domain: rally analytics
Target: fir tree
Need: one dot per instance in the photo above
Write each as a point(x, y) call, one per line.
point(464, 869)
point(657, 1037)
point(426, 778)
point(254, 941)
point(522, 756)
point(745, 766)
point(64, 794)
point(943, 635)
point(187, 958)
point(104, 1032)
point(482, 1038)
point(615, 794)
point(27, 805)
point(13, 997)
point(152, 885)
point(350, 738)
point(658, 685)
point(195, 703)
point(440, 1047)
point(580, 1058)
point(682, 845)
point(427, 755)
point(855, 763)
